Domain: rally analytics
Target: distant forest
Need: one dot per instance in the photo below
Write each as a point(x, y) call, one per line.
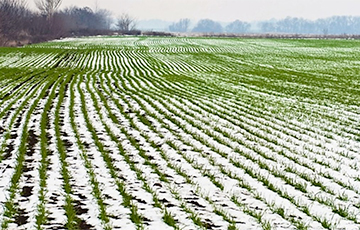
point(336, 25)
point(19, 25)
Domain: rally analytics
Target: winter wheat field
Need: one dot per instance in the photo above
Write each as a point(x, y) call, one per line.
point(180, 133)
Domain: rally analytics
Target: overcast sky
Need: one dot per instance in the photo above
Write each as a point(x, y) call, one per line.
point(224, 10)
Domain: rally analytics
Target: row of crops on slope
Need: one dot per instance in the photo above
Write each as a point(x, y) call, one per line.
point(180, 133)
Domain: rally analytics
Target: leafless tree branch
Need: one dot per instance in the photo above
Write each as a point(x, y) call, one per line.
point(126, 23)
point(48, 7)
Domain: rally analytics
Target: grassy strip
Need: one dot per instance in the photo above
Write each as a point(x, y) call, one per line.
point(72, 219)
point(41, 217)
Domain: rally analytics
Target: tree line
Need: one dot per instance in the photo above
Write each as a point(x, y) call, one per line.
point(19, 24)
point(209, 26)
point(335, 25)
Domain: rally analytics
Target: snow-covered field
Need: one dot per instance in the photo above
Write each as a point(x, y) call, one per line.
point(180, 133)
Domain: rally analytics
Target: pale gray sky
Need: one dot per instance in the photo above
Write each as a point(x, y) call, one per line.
point(224, 10)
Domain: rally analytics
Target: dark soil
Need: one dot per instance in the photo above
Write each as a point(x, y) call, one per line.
point(27, 191)
point(29, 161)
point(78, 209)
point(48, 91)
point(82, 197)
point(140, 200)
point(28, 177)
point(208, 224)
point(85, 226)
point(5, 96)
point(196, 204)
point(64, 134)
point(17, 123)
point(32, 140)
point(53, 199)
point(86, 145)
point(166, 203)
point(67, 144)
point(8, 151)
point(21, 217)
point(27, 169)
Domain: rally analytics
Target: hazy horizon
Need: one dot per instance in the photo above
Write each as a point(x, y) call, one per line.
point(226, 10)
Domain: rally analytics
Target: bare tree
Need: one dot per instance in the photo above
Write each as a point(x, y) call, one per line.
point(48, 7)
point(78, 19)
point(180, 26)
point(238, 27)
point(13, 18)
point(208, 26)
point(104, 18)
point(126, 23)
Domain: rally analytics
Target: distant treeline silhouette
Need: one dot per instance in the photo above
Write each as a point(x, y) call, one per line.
point(336, 25)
